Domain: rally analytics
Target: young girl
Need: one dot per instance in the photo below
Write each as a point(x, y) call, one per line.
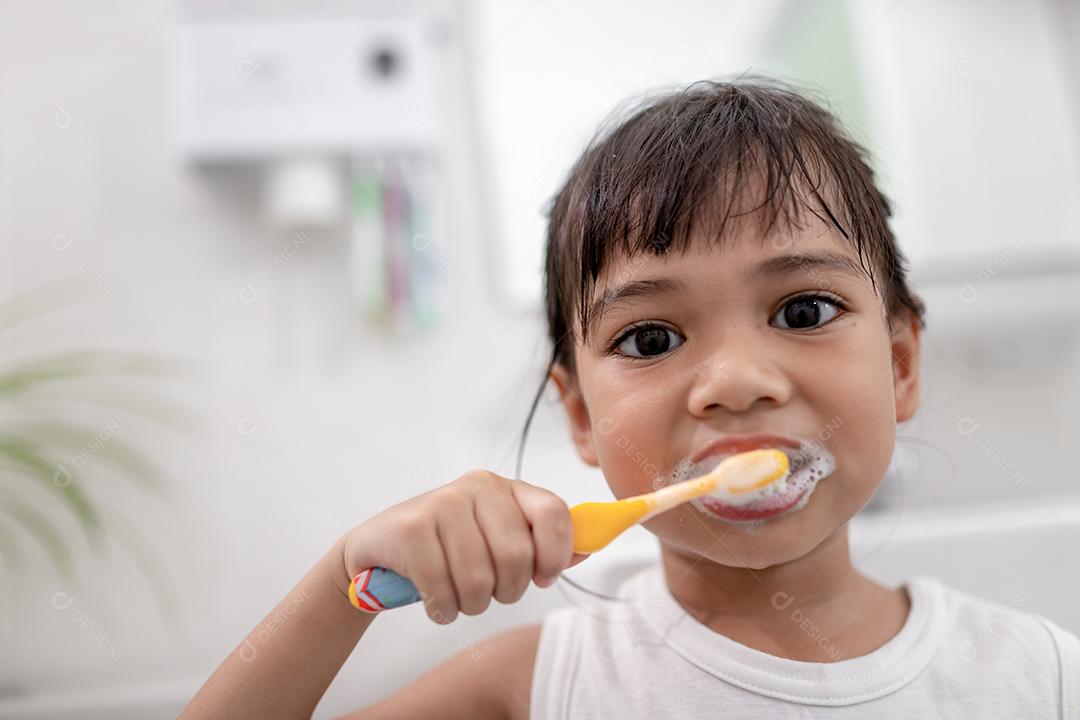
point(720, 277)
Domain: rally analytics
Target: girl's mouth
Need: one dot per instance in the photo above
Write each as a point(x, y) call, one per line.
point(720, 509)
point(810, 463)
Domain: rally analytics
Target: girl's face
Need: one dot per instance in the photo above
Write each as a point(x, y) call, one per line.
point(783, 336)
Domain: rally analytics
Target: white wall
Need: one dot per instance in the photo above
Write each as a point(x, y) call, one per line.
point(306, 422)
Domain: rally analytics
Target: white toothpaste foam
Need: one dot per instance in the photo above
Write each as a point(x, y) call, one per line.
point(809, 464)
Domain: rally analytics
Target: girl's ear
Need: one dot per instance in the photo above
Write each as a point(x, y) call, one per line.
point(904, 329)
point(576, 411)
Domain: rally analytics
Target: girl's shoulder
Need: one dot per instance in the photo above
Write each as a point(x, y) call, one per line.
point(511, 659)
point(993, 639)
point(491, 678)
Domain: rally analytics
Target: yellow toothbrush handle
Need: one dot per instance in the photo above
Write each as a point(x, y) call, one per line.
point(598, 523)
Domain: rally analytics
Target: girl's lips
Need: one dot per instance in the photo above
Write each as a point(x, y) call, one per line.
point(743, 443)
point(735, 512)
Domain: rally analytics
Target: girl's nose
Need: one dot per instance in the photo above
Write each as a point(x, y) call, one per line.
point(737, 380)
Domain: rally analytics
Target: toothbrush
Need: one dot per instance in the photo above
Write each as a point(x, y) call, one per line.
point(596, 524)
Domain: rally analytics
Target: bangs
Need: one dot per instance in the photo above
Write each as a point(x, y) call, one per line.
point(691, 165)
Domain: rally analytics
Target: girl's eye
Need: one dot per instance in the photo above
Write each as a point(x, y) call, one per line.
point(806, 312)
point(646, 341)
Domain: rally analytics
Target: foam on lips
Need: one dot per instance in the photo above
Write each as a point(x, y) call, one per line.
point(809, 464)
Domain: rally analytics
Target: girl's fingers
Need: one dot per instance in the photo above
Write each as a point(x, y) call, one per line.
point(509, 542)
point(430, 575)
point(466, 555)
point(549, 522)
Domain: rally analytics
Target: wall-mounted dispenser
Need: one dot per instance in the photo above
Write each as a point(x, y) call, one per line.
point(335, 107)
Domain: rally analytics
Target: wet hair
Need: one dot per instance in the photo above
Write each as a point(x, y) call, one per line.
point(686, 163)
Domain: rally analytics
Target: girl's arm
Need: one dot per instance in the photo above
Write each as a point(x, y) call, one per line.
point(286, 663)
point(463, 544)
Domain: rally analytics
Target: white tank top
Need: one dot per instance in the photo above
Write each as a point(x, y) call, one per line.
point(956, 656)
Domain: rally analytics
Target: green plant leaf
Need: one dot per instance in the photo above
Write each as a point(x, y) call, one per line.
point(51, 475)
point(82, 364)
point(9, 548)
point(56, 434)
point(28, 443)
point(36, 524)
point(57, 398)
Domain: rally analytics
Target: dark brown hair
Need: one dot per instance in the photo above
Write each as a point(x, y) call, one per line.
point(713, 151)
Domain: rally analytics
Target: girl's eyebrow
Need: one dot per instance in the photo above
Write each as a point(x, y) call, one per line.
point(651, 287)
point(779, 265)
point(813, 261)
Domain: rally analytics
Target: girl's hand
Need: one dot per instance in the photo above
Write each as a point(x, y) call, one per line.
point(479, 537)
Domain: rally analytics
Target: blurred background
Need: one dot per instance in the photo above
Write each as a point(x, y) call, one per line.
point(271, 267)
